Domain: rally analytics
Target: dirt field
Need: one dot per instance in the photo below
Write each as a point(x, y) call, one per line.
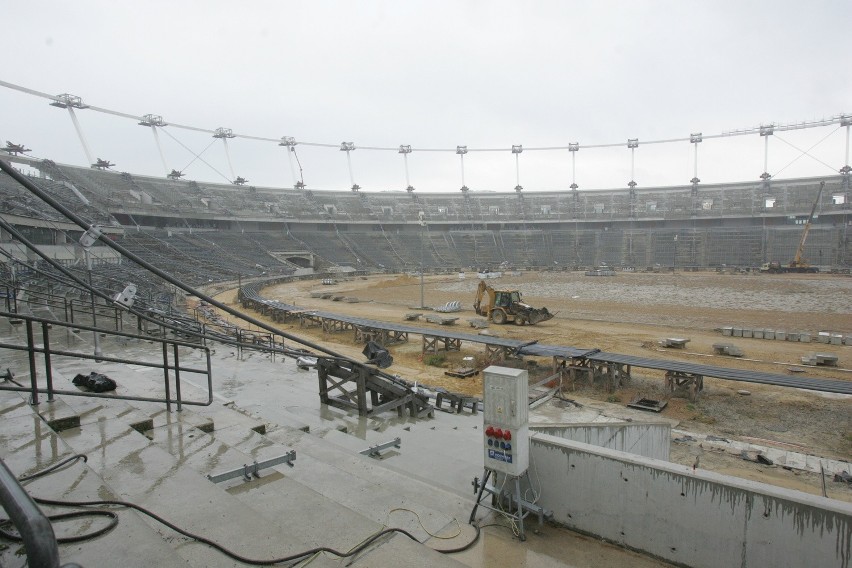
point(627, 314)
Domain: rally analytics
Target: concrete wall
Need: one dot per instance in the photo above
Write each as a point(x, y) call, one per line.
point(647, 439)
point(696, 518)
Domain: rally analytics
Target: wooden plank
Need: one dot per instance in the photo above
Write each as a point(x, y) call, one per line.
point(461, 372)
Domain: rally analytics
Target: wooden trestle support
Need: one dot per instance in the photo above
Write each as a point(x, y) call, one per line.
point(693, 383)
point(364, 334)
point(349, 385)
point(613, 375)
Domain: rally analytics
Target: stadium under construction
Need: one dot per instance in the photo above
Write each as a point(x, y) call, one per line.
point(216, 426)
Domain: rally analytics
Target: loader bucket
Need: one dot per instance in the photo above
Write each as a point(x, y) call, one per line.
point(539, 315)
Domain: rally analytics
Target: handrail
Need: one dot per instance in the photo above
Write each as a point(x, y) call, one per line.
point(174, 367)
point(34, 527)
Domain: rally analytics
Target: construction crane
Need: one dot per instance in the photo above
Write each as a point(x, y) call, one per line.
point(798, 264)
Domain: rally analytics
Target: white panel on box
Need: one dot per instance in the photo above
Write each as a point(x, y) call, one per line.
point(506, 420)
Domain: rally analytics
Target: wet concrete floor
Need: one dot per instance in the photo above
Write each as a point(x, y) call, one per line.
point(445, 450)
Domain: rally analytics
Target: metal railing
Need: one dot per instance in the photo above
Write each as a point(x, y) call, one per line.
point(170, 364)
point(33, 526)
point(68, 307)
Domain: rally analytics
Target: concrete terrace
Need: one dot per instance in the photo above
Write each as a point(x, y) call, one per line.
point(334, 496)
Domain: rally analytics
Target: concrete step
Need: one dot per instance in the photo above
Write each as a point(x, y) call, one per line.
point(381, 487)
point(27, 445)
point(141, 381)
point(137, 469)
point(459, 453)
point(334, 509)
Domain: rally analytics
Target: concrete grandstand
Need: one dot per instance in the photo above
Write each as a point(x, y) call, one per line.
point(739, 225)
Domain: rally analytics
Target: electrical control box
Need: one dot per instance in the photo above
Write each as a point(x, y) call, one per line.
point(506, 439)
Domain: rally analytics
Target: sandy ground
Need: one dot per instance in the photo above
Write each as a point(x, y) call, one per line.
point(627, 314)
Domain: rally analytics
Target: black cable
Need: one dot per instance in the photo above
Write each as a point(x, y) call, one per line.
point(215, 545)
point(53, 468)
point(463, 547)
point(114, 522)
point(64, 517)
point(4, 523)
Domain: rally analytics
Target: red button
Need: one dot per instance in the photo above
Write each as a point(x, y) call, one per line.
point(498, 433)
point(489, 431)
point(507, 435)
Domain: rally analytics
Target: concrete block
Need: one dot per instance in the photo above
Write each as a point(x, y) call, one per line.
point(793, 336)
point(780, 335)
point(805, 337)
point(758, 333)
point(829, 359)
point(727, 349)
point(737, 332)
point(727, 331)
point(747, 332)
point(823, 337)
point(768, 334)
point(836, 339)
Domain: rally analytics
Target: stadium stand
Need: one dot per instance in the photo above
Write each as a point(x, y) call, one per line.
point(222, 230)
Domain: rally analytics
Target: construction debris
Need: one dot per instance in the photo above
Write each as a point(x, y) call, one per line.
point(95, 382)
point(673, 342)
point(449, 307)
point(461, 372)
point(728, 349)
point(648, 404)
point(843, 477)
point(826, 359)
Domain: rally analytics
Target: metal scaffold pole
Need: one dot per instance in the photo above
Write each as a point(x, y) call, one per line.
point(160, 149)
point(80, 135)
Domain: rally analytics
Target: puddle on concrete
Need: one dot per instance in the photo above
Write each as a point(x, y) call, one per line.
point(545, 547)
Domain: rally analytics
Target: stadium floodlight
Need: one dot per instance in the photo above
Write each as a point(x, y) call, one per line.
point(517, 149)
point(223, 133)
point(347, 146)
point(288, 141)
point(68, 101)
point(405, 148)
point(632, 142)
point(462, 150)
point(632, 184)
point(573, 146)
point(696, 137)
point(695, 181)
point(768, 130)
point(152, 120)
point(574, 187)
point(765, 176)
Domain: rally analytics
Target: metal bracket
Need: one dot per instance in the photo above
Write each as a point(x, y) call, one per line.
point(518, 508)
point(376, 451)
point(253, 470)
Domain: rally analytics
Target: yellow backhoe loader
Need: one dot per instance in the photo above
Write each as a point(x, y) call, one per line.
point(504, 306)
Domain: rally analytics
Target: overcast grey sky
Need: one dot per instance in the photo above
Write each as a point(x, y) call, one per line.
point(435, 74)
